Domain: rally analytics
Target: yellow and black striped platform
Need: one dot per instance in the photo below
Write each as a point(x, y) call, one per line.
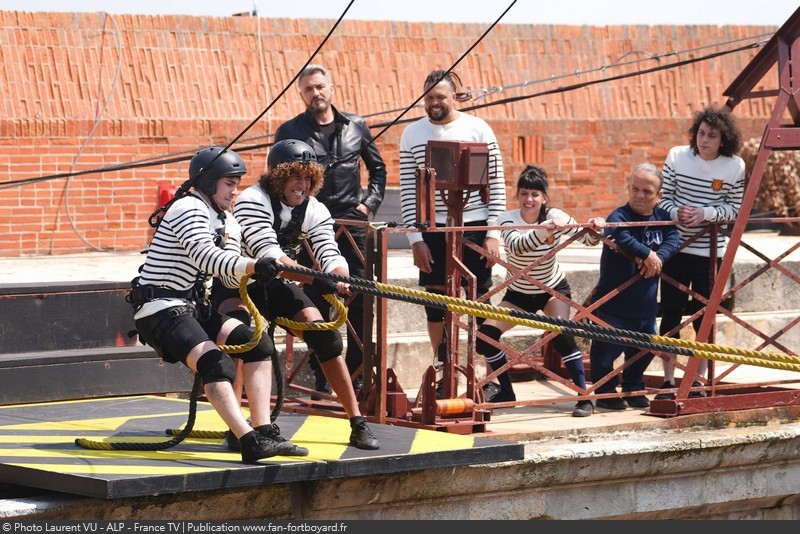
point(38, 449)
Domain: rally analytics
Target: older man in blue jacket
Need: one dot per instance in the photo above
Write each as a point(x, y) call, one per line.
point(643, 249)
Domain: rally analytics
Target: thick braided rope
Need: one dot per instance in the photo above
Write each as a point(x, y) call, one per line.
point(331, 325)
point(257, 318)
point(784, 365)
point(787, 365)
point(159, 446)
point(556, 324)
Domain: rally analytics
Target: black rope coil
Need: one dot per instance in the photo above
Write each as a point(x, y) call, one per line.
point(118, 446)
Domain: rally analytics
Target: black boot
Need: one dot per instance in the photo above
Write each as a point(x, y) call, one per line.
point(257, 445)
point(255, 448)
point(361, 436)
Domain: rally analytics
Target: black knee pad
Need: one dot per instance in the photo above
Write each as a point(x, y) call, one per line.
point(435, 314)
point(244, 334)
point(483, 347)
point(216, 366)
point(241, 315)
point(565, 344)
point(327, 344)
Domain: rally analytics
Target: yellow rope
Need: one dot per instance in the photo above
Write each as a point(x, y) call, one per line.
point(283, 321)
point(701, 349)
point(259, 321)
point(488, 311)
point(333, 325)
point(787, 363)
point(772, 364)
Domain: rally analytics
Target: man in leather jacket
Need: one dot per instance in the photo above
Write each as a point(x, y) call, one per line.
point(340, 140)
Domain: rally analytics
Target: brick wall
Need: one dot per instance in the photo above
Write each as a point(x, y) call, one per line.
point(82, 92)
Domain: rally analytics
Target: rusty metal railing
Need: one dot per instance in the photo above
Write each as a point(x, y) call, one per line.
point(384, 399)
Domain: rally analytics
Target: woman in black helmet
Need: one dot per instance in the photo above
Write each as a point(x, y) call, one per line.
point(276, 216)
point(194, 240)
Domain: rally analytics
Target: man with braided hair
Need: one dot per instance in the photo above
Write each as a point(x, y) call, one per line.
point(276, 215)
point(195, 239)
point(444, 122)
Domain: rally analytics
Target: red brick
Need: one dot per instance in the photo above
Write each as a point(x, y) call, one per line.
point(188, 82)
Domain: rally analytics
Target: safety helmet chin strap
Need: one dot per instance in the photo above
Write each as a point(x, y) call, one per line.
point(212, 203)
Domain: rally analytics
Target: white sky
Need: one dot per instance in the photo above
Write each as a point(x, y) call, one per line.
point(577, 12)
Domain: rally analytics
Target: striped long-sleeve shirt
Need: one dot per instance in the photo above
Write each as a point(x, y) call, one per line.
point(466, 128)
point(253, 211)
point(184, 246)
point(717, 185)
point(525, 246)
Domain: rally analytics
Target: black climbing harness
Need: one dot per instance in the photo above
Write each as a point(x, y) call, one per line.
point(291, 236)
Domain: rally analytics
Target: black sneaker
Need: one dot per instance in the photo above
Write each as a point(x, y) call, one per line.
point(583, 409)
point(256, 447)
point(612, 404)
point(272, 432)
point(361, 436)
point(503, 396)
point(639, 401)
point(697, 394)
point(668, 395)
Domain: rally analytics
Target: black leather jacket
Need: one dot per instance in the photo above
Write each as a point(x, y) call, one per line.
point(342, 190)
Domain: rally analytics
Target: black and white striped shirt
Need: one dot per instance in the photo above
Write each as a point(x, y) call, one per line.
point(717, 185)
point(253, 211)
point(183, 247)
point(466, 128)
point(525, 246)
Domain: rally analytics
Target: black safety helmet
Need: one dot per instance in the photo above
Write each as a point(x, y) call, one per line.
point(229, 163)
point(289, 158)
point(290, 150)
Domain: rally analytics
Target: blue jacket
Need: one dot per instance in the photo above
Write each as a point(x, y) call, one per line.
point(640, 299)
